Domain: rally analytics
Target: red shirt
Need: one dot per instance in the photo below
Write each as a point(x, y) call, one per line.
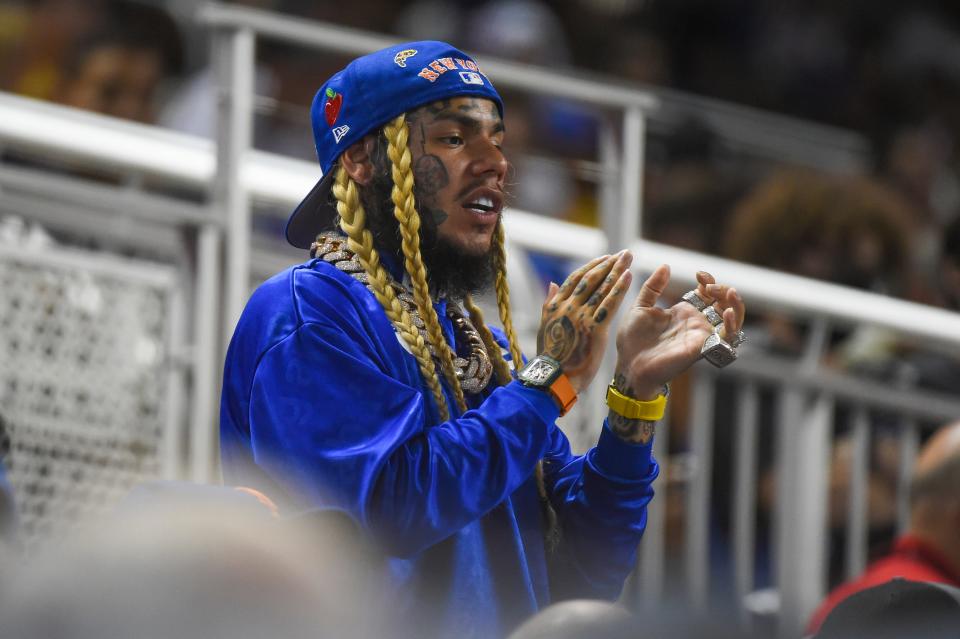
point(910, 559)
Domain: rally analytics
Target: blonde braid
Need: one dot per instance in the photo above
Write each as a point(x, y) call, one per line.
point(503, 296)
point(360, 241)
point(397, 134)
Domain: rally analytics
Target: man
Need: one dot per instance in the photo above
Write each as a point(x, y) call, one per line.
point(366, 380)
point(930, 549)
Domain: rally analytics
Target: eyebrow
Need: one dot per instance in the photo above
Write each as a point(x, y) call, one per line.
point(467, 121)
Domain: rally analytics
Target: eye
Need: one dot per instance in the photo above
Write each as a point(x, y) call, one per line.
point(453, 140)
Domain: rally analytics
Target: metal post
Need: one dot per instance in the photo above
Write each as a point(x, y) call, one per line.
point(745, 495)
point(206, 355)
point(697, 560)
point(175, 379)
point(234, 69)
point(628, 226)
point(909, 444)
point(856, 550)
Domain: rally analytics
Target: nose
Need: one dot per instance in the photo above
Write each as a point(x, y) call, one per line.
point(490, 160)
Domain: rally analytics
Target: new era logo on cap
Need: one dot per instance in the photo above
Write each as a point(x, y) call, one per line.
point(339, 132)
point(469, 77)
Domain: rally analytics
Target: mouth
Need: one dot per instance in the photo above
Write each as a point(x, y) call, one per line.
point(486, 203)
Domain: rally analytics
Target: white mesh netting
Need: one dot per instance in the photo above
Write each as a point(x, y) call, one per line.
point(82, 386)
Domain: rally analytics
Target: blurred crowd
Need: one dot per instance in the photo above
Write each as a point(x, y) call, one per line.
point(885, 70)
point(889, 71)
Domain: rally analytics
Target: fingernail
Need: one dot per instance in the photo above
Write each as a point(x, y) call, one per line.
point(702, 274)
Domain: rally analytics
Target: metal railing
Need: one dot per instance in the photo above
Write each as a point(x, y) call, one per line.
point(226, 177)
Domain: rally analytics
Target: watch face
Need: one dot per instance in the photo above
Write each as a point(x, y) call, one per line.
point(539, 372)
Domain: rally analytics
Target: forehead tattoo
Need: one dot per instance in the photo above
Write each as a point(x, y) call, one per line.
point(470, 114)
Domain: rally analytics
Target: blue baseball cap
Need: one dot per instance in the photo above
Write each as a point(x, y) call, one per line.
point(368, 93)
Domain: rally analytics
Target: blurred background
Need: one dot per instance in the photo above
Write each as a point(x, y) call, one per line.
point(804, 151)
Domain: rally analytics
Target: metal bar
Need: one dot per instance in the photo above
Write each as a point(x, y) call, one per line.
point(627, 225)
point(772, 135)
point(108, 229)
point(172, 443)
point(206, 355)
point(909, 446)
point(856, 547)
point(812, 491)
point(652, 558)
point(783, 371)
point(123, 200)
point(786, 525)
point(234, 69)
point(355, 42)
point(697, 550)
point(112, 266)
point(745, 494)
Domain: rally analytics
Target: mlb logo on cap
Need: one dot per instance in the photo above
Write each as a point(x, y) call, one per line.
point(469, 77)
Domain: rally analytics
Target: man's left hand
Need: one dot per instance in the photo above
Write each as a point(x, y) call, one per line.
point(654, 345)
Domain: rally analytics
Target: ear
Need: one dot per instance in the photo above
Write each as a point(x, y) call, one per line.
point(357, 160)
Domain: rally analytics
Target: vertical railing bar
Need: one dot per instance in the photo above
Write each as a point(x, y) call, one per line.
point(856, 547)
point(909, 446)
point(652, 559)
point(234, 138)
point(628, 224)
point(206, 349)
point(744, 494)
point(175, 379)
point(784, 530)
point(697, 549)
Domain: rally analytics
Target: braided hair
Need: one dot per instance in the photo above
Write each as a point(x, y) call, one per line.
point(360, 241)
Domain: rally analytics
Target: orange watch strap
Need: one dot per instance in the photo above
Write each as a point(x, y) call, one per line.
point(562, 391)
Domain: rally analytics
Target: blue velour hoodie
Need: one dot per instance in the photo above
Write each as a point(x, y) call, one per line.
point(324, 408)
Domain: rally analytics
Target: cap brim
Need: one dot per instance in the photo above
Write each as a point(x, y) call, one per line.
point(313, 215)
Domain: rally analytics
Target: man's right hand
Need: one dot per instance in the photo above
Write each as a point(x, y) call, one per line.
point(576, 316)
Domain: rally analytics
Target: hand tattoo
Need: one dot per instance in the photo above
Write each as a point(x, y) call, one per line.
point(559, 338)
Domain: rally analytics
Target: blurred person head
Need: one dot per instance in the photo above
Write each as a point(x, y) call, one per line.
point(576, 619)
point(935, 494)
point(184, 567)
point(119, 69)
point(849, 230)
point(895, 610)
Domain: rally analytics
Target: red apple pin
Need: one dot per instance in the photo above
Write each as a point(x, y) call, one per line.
point(331, 109)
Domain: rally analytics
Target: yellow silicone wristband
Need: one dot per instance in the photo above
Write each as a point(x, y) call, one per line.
point(635, 409)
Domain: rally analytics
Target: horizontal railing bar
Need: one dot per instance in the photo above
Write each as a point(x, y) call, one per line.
point(873, 394)
point(355, 42)
point(106, 229)
point(109, 142)
point(155, 274)
point(113, 198)
point(773, 135)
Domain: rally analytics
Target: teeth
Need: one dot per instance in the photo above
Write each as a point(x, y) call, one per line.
point(481, 204)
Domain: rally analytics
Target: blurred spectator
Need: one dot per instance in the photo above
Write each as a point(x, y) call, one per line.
point(688, 195)
point(576, 619)
point(119, 70)
point(846, 230)
point(897, 609)
point(930, 549)
point(206, 567)
point(36, 37)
